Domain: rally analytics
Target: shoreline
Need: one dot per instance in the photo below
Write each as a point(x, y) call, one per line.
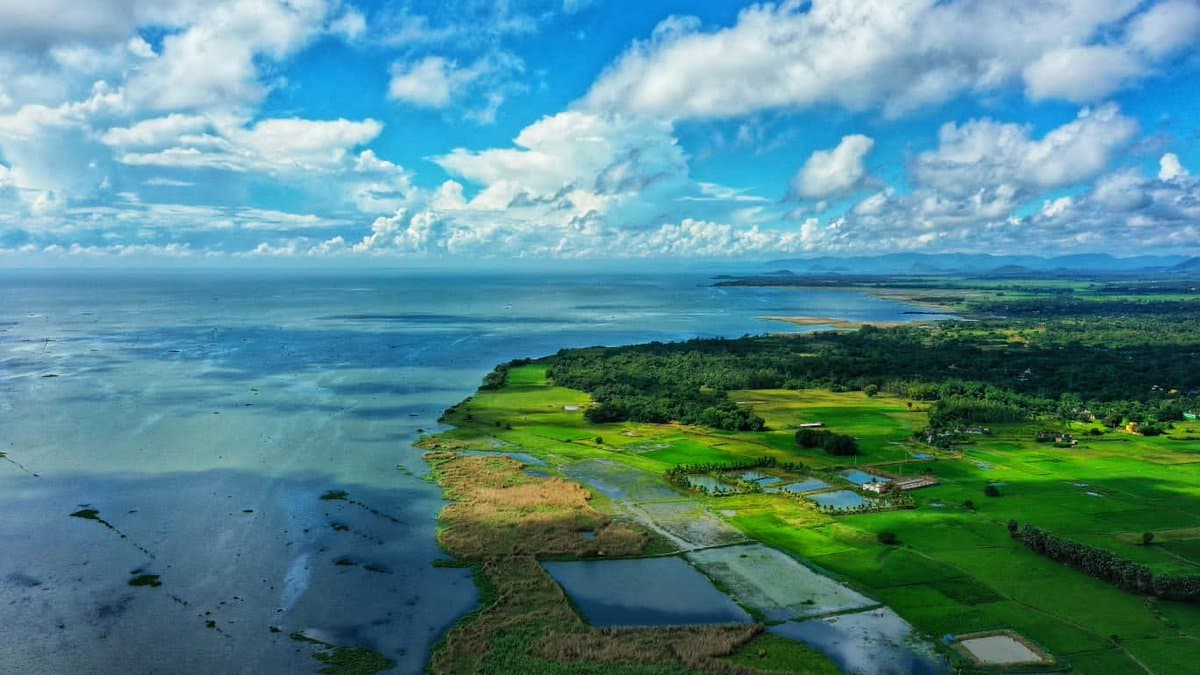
point(839, 324)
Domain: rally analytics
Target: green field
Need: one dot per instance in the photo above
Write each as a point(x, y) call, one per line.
point(955, 569)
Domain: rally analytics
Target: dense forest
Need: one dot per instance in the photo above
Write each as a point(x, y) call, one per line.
point(1116, 365)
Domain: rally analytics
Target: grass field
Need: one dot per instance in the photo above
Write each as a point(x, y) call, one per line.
point(955, 569)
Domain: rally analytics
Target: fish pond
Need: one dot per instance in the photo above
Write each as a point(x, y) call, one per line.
point(709, 484)
point(644, 592)
point(862, 477)
point(841, 500)
point(775, 584)
point(807, 485)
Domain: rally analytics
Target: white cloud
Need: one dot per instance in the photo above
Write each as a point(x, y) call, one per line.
point(835, 172)
point(212, 63)
point(155, 132)
point(1166, 28)
point(982, 153)
point(594, 152)
point(437, 82)
point(1082, 74)
point(1169, 167)
point(351, 25)
point(429, 82)
point(968, 191)
point(272, 145)
point(38, 25)
point(862, 54)
point(577, 184)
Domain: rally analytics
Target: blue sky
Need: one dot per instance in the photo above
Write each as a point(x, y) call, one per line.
point(353, 131)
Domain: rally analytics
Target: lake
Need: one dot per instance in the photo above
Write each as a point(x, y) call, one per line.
point(203, 413)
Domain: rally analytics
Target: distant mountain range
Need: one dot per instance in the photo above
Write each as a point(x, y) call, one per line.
point(983, 264)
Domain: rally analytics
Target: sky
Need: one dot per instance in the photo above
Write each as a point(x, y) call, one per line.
point(454, 130)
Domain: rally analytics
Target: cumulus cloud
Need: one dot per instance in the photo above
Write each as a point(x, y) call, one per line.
point(428, 82)
point(897, 56)
point(1082, 74)
point(577, 184)
point(1166, 28)
point(437, 82)
point(968, 193)
point(981, 153)
point(1170, 168)
point(213, 62)
point(835, 172)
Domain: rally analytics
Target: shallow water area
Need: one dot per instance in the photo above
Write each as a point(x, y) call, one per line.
point(871, 642)
point(644, 592)
point(775, 584)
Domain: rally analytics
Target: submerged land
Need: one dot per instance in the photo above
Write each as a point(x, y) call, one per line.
point(1016, 492)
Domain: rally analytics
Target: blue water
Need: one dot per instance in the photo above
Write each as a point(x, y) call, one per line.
point(839, 499)
point(862, 477)
point(203, 413)
point(644, 592)
point(807, 485)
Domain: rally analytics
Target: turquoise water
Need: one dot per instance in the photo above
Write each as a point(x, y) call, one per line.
point(644, 592)
point(203, 413)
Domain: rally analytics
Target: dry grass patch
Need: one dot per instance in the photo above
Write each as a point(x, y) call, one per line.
point(499, 510)
point(504, 520)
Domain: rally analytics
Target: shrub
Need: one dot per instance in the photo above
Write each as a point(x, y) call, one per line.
point(888, 538)
point(1147, 538)
point(991, 490)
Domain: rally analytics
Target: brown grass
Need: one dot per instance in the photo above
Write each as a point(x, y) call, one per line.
point(504, 520)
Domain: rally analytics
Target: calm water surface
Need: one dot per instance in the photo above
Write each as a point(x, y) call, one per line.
point(204, 414)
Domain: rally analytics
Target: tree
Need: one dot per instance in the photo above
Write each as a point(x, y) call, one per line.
point(1147, 538)
point(888, 538)
point(871, 390)
point(991, 490)
point(1012, 528)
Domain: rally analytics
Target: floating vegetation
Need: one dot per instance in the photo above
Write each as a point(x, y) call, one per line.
point(339, 527)
point(346, 660)
point(353, 661)
point(88, 513)
point(378, 569)
point(345, 562)
point(334, 495)
point(151, 580)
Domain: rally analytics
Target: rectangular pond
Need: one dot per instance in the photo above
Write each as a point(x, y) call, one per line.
point(709, 484)
point(807, 485)
point(644, 592)
point(842, 500)
point(776, 584)
point(862, 477)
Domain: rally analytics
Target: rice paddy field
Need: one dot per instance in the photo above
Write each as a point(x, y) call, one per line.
point(955, 568)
